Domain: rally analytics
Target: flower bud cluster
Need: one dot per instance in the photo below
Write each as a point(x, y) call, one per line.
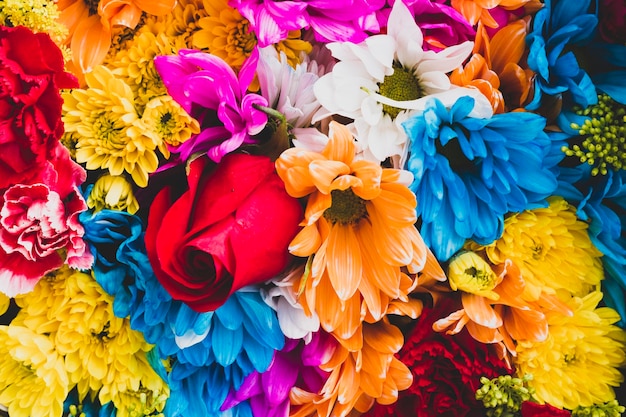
point(604, 136)
point(609, 409)
point(503, 396)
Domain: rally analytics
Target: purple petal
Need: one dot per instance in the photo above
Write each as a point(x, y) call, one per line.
point(278, 380)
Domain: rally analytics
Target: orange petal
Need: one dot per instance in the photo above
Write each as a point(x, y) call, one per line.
point(340, 146)
point(90, 43)
point(456, 320)
point(398, 211)
point(156, 7)
point(400, 374)
point(479, 310)
point(306, 242)
point(343, 261)
point(370, 174)
point(348, 385)
point(348, 328)
point(383, 337)
point(413, 308)
point(380, 274)
point(508, 45)
point(328, 305)
point(470, 10)
point(483, 334)
point(394, 248)
point(526, 325)
point(316, 206)
point(324, 172)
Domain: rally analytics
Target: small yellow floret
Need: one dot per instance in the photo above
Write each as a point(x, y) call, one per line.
point(113, 193)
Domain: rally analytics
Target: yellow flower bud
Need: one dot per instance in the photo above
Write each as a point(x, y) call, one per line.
point(470, 273)
point(114, 193)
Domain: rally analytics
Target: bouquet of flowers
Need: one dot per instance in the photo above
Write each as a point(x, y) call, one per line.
point(312, 208)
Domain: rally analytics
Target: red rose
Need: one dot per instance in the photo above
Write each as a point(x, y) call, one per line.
point(446, 370)
point(530, 409)
point(31, 74)
point(231, 228)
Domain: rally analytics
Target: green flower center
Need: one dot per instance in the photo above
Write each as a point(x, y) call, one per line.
point(346, 208)
point(603, 136)
point(402, 85)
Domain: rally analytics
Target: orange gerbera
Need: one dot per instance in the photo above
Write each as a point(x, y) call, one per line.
point(357, 379)
point(90, 25)
point(358, 234)
point(494, 68)
point(493, 311)
point(476, 11)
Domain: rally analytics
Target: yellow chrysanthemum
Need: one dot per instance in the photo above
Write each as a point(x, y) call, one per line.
point(111, 135)
point(179, 25)
point(135, 65)
point(33, 380)
point(37, 15)
point(4, 303)
point(577, 364)
point(359, 231)
point(102, 353)
point(224, 32)
point(39, 308)
point(358, 379)
point(113, 193)
point(141, 402)
point(168, 121)
point(551, 247)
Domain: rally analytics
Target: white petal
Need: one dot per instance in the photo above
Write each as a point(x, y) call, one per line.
point(446, 60)
point(402, 27)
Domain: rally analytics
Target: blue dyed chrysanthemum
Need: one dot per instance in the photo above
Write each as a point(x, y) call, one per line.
point(211, 352)
point(557, 27)
point(470, 172)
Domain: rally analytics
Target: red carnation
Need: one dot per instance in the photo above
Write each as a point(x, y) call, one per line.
point(446, 370)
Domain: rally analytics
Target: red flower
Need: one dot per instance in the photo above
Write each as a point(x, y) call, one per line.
point(31, 73)
point(612, 21)
point(230, 229)
point(530, 409)
point(446, 370)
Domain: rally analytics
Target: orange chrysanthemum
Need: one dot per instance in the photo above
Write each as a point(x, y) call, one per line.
point(493, 311)
point(357, 379)
point(494, 68)
point(358, 233)
point(90, 24)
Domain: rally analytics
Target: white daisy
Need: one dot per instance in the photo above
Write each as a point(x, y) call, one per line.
point(382, 81)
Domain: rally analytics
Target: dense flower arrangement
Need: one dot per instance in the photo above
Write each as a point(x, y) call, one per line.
point(312, 208)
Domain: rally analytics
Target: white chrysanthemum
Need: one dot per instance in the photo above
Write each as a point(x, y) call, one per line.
point(381, 81)
point(289, 90)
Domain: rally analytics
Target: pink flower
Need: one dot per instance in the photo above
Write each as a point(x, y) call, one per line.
point(36, 225)
point(335, 20)
point(210, 91)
